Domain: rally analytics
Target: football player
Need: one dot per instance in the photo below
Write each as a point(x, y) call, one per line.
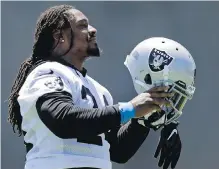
point(68, 119)
point(160, 61)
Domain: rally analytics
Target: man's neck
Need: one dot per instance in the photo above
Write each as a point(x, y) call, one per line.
point(75, 61)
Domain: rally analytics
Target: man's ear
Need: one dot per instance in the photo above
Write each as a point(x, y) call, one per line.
point(57, 35)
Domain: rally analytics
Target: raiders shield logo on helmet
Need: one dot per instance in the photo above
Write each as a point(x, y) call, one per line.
point(158, 59)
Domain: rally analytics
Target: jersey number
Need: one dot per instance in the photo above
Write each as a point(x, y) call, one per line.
point(85, 91)
point(96, 140)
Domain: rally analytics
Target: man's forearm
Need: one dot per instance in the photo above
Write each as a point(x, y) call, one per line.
point(126, 140)
point(66, 120)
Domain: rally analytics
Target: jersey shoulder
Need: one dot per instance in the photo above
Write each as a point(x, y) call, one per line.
point(49, 77)
point(54, 68)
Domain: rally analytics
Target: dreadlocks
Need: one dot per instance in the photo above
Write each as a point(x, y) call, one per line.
point(53, 19)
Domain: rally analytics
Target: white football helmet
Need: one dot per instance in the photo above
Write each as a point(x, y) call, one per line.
point(158, 60)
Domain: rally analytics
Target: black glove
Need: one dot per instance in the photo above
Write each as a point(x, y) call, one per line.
point(169, 146)
point(154, 121)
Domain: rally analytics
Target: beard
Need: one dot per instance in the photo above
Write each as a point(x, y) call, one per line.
point(93, 50)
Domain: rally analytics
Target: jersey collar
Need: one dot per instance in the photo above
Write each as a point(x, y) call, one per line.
point(62, 61)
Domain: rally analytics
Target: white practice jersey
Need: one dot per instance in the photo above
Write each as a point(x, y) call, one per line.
point(49, 151)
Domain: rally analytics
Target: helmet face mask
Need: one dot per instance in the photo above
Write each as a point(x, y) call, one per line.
point(177, 101)
point(161, 61)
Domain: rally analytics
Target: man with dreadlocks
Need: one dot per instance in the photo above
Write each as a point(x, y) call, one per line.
point(68, 120)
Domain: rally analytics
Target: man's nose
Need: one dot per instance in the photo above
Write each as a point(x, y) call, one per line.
point(92, 31)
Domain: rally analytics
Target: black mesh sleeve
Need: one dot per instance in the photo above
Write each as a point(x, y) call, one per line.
point(66, 120)
point(126, 140)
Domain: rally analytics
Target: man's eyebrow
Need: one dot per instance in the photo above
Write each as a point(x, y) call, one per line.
point(83, 20)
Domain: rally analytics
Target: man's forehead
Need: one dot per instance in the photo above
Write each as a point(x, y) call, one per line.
point(78, 15)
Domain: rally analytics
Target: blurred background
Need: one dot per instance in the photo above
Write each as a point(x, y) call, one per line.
point(121, 25)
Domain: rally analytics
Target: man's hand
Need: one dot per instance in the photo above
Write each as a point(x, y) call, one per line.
point(150, 101)
point(169, 147)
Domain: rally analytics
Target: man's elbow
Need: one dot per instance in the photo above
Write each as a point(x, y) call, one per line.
point(60, 131)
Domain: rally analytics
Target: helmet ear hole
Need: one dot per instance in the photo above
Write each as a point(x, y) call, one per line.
point(147, 79)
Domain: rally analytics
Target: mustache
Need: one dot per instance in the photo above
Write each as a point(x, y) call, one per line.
point(91, 37)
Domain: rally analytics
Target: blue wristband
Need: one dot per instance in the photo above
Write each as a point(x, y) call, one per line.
point(127, 111)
